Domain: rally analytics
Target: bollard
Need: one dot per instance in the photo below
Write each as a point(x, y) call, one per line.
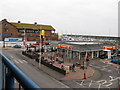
point(84, 75)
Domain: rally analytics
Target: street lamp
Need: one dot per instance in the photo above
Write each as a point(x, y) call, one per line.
point(4, 42)
point(24, 42)
point(40, 49)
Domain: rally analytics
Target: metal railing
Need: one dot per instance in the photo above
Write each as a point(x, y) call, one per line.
point(10, 72)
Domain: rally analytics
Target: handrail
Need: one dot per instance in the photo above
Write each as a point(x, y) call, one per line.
point(21, 77)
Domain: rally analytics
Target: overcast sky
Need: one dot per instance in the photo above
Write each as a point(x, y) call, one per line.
point(93, 17)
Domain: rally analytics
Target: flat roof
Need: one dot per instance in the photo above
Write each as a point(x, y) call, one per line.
point(82, 43)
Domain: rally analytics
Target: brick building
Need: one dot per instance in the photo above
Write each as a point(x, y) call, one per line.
point(29, 32)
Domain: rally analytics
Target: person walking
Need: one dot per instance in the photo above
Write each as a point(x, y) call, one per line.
point(73, 68)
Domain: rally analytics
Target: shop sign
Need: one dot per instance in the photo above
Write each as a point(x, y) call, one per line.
point(64, 46)
point(109, 47)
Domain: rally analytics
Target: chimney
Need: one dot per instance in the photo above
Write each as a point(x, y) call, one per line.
point(35, 23)
point(19, 22)
point(4, 20)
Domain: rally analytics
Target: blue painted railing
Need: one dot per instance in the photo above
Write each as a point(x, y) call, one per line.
point(10, 72)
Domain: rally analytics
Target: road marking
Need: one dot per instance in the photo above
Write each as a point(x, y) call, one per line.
point(109, 70)
point(16, 61)
point(90, 83)
point(20, 61)
point(99, 86)
point(90, 65)
point(114, 79)
point(111, 78)
point(103, 69)
point(109, 84)
point(106, 66)
point(102, 81)
point(25, 61)
point(82, 82)
point(96, 67)
point(78, 83)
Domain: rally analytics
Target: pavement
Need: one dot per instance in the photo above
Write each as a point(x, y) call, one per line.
point(79, 74)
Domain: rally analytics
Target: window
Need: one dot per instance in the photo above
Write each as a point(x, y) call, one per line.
point(5, 25)
point(5, 30)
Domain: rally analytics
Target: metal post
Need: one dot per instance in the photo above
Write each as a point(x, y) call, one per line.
point(92, 54)
point(24, 40)
point(3, 76)
point(9, 81)
point(97, 53)
point(4, 42)
point(40, 49)
point(79, 55)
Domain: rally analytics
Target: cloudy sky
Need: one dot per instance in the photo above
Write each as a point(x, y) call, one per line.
point(88, 17)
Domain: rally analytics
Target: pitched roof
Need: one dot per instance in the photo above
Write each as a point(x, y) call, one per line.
point(32, 26)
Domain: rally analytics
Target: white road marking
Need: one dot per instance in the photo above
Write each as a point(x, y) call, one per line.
point(90, 65)
point(114, 79)
point(103, 68)
point(96, 67)
point(90, 83)
point(111, 78)
point(106, 66)
point(109, 84)
point(109, 70)
point(99, 86)
point(16, 61)
point(82, 82)
point(102, 81)
point(25, 61)
point(78, 83)
point(20, 61)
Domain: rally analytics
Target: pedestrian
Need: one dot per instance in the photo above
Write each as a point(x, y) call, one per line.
point(73, 68)
point(62, 66)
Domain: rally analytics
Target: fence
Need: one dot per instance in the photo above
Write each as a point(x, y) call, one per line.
point(10, 72)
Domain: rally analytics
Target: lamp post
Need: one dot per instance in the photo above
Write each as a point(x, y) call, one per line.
point(40, 49)
point(4, 42)
point(24, 42)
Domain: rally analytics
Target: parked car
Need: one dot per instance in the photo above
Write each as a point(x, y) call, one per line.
point(17, 46)
point(116, 61)
point(114, 55)
point(103, 56)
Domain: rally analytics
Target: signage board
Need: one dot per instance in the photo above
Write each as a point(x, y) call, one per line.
point(13, 39)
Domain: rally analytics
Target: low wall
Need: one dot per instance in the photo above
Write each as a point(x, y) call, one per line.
point(53, 67)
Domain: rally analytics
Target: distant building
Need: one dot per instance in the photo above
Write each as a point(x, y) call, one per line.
point(29, 32)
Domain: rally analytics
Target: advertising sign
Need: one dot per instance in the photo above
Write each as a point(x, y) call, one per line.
point(13, 39)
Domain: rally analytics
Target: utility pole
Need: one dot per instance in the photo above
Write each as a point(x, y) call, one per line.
point(40, 49)
point(24, 42)
point(4, 42)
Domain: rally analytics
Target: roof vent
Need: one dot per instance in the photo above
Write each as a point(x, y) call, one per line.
point(19, 22)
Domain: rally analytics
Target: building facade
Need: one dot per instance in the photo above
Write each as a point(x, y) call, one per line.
point(28, 32)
